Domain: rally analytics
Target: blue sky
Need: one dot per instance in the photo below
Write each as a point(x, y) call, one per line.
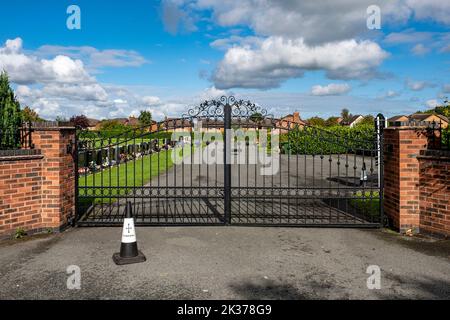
point(313, 57)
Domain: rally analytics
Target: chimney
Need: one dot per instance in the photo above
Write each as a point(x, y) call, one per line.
point(296, 117)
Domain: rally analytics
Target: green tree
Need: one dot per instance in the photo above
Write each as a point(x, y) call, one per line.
point(444, 108)
point(10, 115)
point(80, 121)
point(145, 118)
point(346, 115)
point(331, 121)
point(316, 121)
point(61, 119)
point(256, 117)
point(111, 128)
point(29, 115)
point(368, 120)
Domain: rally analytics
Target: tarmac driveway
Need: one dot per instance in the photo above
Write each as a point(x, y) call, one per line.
point(227, 263)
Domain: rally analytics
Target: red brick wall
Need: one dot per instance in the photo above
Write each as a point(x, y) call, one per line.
point(38, 192)
point(20, 194)
point(401, 175)
point(435, 193)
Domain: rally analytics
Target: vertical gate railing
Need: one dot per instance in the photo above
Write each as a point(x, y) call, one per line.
point(380, 124)
point(227, 162)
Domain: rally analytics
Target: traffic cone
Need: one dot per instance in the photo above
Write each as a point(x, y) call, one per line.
point(129, 252)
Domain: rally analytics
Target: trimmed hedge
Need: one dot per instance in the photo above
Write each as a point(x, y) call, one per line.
point(446, 137)
point(332, 140)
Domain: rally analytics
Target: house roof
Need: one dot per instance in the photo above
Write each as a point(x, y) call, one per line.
point(170, 123)
point(292, 118)
point(121, 120)
point(444, 118)
point(419, 116)
point(132, 121)
point(127, 121)
point(352, 119)
point(424, 116)
point(397, 118)
point(93, 122)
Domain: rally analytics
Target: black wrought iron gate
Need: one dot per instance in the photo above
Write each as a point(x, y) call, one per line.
point(227, 162)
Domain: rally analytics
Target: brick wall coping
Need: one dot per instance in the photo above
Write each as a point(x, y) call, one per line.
point(19, 153)
point(408, 128)
point(20, 158)
point(52, 126)
point(443, 155)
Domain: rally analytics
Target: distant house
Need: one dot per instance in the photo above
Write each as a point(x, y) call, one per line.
point(177, 125)
point(290, 121)
point(132, 121)
point(154, 127)
point(93, 124)
point(119, 120)
point(420, 119)
point(429, 119)
point(398, 121)
point(353, 121)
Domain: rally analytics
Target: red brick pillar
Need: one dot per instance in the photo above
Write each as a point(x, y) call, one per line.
point(58, 174)
point(401, 175)
point(435, 192)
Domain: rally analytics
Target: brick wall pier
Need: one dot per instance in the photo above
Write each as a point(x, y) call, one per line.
point(37, 187)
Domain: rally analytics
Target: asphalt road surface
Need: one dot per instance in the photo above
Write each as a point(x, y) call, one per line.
point(227, 263)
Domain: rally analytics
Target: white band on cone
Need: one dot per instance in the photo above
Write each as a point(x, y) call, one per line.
point(128, 232)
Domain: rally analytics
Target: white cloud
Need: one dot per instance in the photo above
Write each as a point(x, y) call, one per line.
point(273, 53)
point(432, 103)
point(47, 109)
point(276, 59)
point(227, 43)
point(420, 50)
point(332, 89)
point(120, 101)
point(27, 69)
point(23, 91)
point(418, 85)
point(151, 100)
point(436, 10)
point(54, 86)
point(95, 58)
point(212, 93)
point(391, 94)
point(446, 88)
point(315, 21)
point(176, 17)
point(84, 92)
point(408, 36)
point(423, 42)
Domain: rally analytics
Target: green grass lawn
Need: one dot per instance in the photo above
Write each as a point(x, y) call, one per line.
point(132, 173)
point(366, 203)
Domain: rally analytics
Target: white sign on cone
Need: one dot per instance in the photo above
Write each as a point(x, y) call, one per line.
point(128, 231)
